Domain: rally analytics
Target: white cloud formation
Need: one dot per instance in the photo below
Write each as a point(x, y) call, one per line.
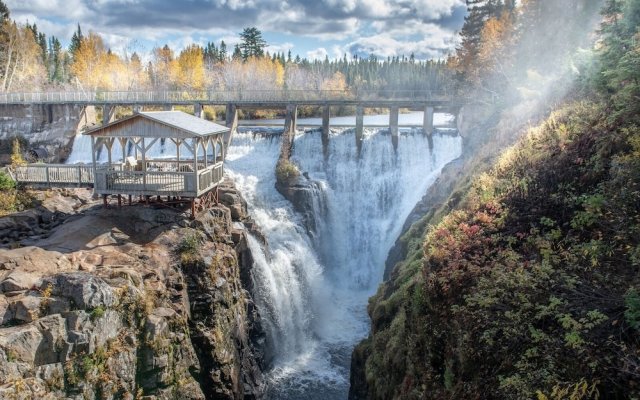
point(382, 27)
point(317, 54)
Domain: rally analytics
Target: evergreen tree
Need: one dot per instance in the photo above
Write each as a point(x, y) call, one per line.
point(4, 12)
point(237, 53)
point(223, 51)
point(55, 55)
point(252, 44)
point(76, 39)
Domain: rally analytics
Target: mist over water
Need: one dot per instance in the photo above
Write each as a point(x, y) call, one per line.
point(313, 291)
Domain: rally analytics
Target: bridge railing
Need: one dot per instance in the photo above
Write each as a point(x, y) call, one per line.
point(215, 96)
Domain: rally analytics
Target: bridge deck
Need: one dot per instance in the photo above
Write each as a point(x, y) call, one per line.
point(245, 98)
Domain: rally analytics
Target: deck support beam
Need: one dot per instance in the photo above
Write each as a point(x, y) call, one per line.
point(359, 128)
point(428, 120)
point(326, 117)
point(393, 126)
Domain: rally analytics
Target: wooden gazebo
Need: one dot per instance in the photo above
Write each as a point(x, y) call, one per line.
point(191, 174)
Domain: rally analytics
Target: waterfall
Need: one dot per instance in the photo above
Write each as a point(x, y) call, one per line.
point(81, 151)
point(313, 291)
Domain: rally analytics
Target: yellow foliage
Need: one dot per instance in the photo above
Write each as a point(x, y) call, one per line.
point(191, 68)
point(337, 82)
point(494, 40)
point(16, 154)
point(88, 62)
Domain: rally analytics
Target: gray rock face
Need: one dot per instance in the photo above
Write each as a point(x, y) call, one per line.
point(48, 126)
point(107, 308)
point(83, 289)
point(307, 199)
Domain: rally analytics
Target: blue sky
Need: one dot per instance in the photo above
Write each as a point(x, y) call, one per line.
point(310, 28)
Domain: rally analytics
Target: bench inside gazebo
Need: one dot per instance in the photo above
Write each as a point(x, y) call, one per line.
point(134, 169)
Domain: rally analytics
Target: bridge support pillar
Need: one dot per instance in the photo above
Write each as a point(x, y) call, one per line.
point(289, 132)
point(428, 120)
point(326, 115)
point(168, 107)
point(198, 110)
point(359, 127)
point(137, 108)
point(108, 113)
point(393, 126)
point(231, 117)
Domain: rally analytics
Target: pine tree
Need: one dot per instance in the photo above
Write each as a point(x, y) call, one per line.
point(4, 12)
point(237, 53)
point(76, 39)
point(252, 44)
point(57, 70)
point(223, 51)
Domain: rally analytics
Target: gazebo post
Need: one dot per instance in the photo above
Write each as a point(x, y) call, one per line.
point(123, 144)
point(144, 166)
point(109, 145)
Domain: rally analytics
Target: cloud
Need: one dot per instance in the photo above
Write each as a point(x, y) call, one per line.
point(432, 41)
point(279, 48)
point(317, 54)
point(360, 23)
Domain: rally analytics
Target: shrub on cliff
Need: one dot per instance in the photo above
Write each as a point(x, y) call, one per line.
point(6, 183)
point(286, 172)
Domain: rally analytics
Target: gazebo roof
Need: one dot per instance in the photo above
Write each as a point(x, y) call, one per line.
point(160, 124)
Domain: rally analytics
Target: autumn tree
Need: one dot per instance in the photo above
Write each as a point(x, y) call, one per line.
point(20, 58)
point(89, 61)
point(191, 68)
point(164, 68)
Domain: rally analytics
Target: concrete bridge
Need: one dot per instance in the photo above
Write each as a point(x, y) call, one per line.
point(289, 100)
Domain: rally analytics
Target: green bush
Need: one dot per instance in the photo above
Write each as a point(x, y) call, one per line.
point(6, 183)
point(286, 172)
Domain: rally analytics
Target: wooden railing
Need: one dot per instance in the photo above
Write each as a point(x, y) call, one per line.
point(209, 177)
point(112, 180)
point(54, 174)
point(213, 96)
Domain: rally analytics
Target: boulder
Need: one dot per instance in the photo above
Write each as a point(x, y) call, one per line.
point(26, 308)
point(21, 343)
point(18, 280)
point(85, 290)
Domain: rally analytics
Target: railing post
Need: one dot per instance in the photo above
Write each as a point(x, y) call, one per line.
point(46, 171)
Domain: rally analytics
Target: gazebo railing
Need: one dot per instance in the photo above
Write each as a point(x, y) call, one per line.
point(209, 177)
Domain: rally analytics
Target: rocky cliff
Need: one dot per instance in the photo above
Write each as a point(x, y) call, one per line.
point(128, 303)
point(49, 126)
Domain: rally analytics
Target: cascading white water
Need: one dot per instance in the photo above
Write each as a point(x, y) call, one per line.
point(81, 151)
point(313, 293)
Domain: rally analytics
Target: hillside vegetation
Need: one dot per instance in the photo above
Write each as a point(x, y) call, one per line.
point(529, 288)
